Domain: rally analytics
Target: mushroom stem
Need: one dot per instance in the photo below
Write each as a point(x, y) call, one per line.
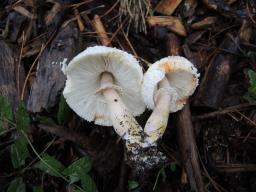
point(124, 123)
point(157, 122)
point(138, 154)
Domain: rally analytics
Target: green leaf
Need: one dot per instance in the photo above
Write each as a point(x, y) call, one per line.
point(252, 77)
point(19, 152)
point(163, 173)
point(250, 96)
point(64, 110)
point(173, 167)
point(132, 184)
point(83, 164)
point(37, 189)
point(46, 120)
point(22, 118)
point(50, 165)
point(87, 182)
point(5, 111)
point(16, 185)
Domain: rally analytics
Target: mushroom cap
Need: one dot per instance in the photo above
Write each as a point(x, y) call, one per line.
point(181, 74)
point(83, 82)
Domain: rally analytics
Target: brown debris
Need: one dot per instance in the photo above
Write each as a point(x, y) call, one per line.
point(187, 144)
point(172, 23)
point(172, 44)
point(235, 168)
point(100, 30)
point(215, 80)
point(24, 12)
point(167, 7)
point(189, 6)
point(56, 8)
point(32, 49)
point(206, 22)
point(79, 20)
point(245, 32)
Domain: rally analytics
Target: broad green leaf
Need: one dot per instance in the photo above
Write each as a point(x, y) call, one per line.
point(73, 178)
point(50, 165)
point(87, 182)
point(5, 110)
point(19, 152)
point(132, 184)
point(17, 185)
point(83, 164)
point(37, 189)
point(63, 111)
point(22, 118)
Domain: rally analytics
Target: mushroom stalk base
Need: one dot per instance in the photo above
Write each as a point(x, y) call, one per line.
point(157, 122)
point(137, 154)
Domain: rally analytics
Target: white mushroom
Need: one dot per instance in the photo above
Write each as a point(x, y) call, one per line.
point(103, 85)
point(166, 87)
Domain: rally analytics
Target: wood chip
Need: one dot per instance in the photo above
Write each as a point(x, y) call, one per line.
point(79, 20)
point(167, 7)
point(172, 23)
point(245, 32)
point(24, 12)
point(52, 13)
point(206, 22)
point(100, 30)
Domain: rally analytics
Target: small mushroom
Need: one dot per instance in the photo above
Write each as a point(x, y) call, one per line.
point(166, 87)
point(103, 85)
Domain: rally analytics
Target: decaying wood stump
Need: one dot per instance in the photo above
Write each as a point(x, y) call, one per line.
point(9, 63)
point(50, 79)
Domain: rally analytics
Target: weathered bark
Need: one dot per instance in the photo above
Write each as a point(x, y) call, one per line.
point(9, 59)
point(216, 77)
point(15, 23)
point(50, 79)
point(187, 144)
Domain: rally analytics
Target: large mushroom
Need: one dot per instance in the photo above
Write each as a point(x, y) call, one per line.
point(103, 85)
point(166, 87)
